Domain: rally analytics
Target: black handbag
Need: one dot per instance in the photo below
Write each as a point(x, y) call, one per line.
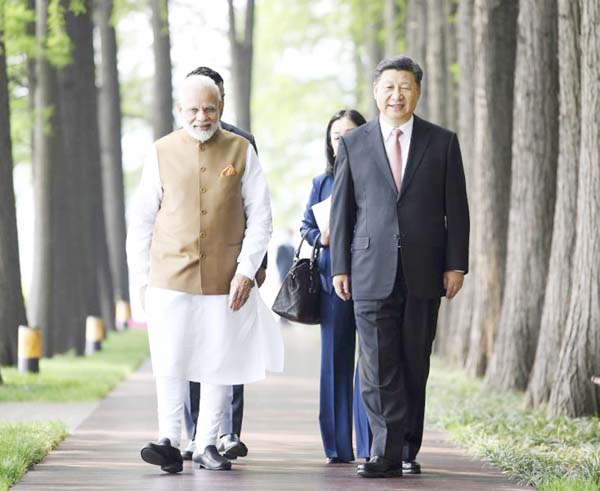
point(298, 299)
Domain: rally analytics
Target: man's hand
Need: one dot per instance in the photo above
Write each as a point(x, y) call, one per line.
point(341, 283)
point(260, 276)
point(453, 281)
point(143, 297)
point(325, 238)
point(239, 291)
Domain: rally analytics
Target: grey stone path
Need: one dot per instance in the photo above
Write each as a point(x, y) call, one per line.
point(280, 429)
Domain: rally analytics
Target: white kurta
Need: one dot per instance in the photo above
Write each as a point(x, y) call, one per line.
point(197, 337)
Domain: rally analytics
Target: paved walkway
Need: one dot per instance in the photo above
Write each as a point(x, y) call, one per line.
point(280, 429)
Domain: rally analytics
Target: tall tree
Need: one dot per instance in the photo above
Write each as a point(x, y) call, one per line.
point(436, 65)
point(458, 315)
point(495, 44)
point(450, 55)
point(46, 306)
point(558, 287)
point(110, 139)
point(12, 307)
point(242, 50)
point(79, 121)
point(534, 157)
point(417, 43)
point(391, 24)
point(162, 114)
point(573, 394)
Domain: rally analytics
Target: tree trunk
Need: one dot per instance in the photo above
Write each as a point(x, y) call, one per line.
point(417, 42)
point(390, 26)
point(242, 48)
point(162, 114)
point(459, 320)
point(534, 156)
point(374, 48)
point(44, 300)
point(495, 43)
point(80, 124)
point(12, 307)
point(573, 394)
point(110, 139)
point(450, 55)
point(437, 68)
point(558, 288)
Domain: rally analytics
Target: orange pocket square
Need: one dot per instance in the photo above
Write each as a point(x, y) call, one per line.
point(228, 171)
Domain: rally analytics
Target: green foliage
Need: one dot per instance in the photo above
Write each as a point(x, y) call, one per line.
point(58, 45)
point(523, 443)
point(26, 444)
point(72, 378)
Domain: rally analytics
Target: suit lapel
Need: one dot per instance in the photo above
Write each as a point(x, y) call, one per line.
point(379, 153)
point(418, 144)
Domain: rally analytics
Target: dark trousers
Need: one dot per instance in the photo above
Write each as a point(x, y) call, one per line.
point(192, 406)
point(338, 342)
point(395, 337)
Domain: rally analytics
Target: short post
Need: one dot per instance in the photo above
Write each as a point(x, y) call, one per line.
point(29, 349)
point(94, 334)
point(122, 314)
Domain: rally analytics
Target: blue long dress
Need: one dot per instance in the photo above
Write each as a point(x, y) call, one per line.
point(338, 341)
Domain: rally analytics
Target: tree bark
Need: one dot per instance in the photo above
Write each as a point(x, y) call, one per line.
point(558, 288)
point(495, 44)
point(437, 68)
point(450, 56)
point(534, 157)
point(374, 53)
point(417, 42)
point(242, 49)
point(162, 114)
point(458, 319)
point(44, 307)
point(390, 25)
point(110, 141)
point(12, 307)
point(573, 394)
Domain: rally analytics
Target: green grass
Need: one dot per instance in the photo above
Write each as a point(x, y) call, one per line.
point(553, 454)
point(78, 378)
point(25, 444)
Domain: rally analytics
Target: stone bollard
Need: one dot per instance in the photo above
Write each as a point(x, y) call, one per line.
point(29, 349)
point(94, 334)
point(122, 314)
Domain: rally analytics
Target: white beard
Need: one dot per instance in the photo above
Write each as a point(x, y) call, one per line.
point(201, 135)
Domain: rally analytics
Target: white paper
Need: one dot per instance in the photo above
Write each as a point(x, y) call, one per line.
point(321, 212)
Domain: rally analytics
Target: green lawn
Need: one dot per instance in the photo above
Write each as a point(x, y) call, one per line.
point(558, 454)
point(72, 378)
point(24, 444)
point(62, 378)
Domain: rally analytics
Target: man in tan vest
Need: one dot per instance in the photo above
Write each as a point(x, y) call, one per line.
point(200, 225)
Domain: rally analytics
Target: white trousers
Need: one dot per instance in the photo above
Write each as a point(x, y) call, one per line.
point(171, 393)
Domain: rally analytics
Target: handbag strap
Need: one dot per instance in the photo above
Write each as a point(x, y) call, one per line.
point(315, 249)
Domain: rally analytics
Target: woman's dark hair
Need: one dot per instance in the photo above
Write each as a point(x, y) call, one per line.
point(352, 114)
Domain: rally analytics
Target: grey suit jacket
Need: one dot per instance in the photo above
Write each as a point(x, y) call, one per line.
point(428, 221)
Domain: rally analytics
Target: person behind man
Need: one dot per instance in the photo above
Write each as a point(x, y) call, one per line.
point(338, 396)
point(200, 225)
point(399, 241)
point(284, 257)
point(231, 426)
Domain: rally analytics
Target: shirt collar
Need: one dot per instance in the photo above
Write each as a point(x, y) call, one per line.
point(386, 128)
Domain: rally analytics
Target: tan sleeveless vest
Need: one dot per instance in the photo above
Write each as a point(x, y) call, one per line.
point(200, 226)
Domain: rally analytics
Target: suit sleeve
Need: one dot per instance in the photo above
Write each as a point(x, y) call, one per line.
point(457, 211)
point(309, 223)
point(343, 213)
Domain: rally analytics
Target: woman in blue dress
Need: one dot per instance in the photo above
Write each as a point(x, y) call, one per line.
point(338, 394)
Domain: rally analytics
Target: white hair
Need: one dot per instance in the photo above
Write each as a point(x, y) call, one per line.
point(201, 82)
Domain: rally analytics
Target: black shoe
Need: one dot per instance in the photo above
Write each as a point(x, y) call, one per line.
point(231, 447)
point(163, 454)
point(411, 467)
point(187, 455)
point(337, 460)
point(210, 459)
point(379, 467)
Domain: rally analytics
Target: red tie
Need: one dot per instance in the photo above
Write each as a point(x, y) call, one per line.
point(395, 158)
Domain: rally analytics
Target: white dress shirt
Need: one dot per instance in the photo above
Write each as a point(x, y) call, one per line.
point(388, 140)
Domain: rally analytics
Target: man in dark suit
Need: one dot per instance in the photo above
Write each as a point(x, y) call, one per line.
point(231, 427)
point(399, 241)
